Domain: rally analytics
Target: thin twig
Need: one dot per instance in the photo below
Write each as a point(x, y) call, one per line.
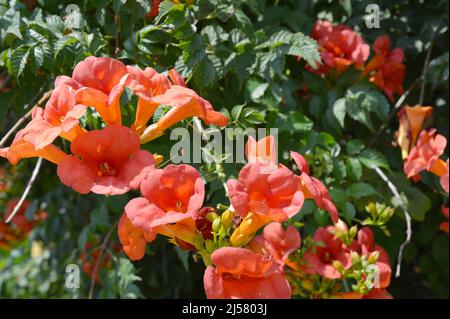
point(27, 190)
point(424, 73)
point(100, 257)
point(394, 191)
point(25, 117)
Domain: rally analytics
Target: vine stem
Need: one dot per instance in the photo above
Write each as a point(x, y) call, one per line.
point(99, 259)
point(396, 193)
point(26, 191)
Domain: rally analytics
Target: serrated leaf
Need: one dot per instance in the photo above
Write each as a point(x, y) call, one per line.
point(371, 159)
point(38, 54)
point(19, 60)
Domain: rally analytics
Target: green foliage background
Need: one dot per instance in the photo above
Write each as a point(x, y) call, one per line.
point(242, 56)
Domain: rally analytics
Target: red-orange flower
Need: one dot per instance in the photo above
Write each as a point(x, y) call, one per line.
point(99, 83)
point(170, 204)
point(107, 161)
point(444, 225)
point(319, 259)
point(340, 46)
point(59, 118)
point(386, 70)
point(278, 242)
point(146, 84)
point(365, 245)
point(185, 103)
point(20, 226)
point(21, 149)
point(133, 239)
point(425, 155)
point(313, 188)
point(155, 9)
point(239, 273)
point(411, 120)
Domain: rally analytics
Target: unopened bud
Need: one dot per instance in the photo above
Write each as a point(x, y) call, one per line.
point(355, 257)
point(338, 266)
point(227, 219)
point(353, 231)
point(211, 216)
point(216, 224)
point(373, 257)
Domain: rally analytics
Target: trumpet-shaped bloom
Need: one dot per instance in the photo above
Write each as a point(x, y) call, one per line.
point(107, 161)
point(411, 120)
point(425, 155)
point(59, 118)
point(386, 70)
point(185, 104)
point(170, 195)
point(146, 84)
point(320, 258)
point(133, 239)
point(99, 83)
point(444, 225)
point(279, 242)
point(20, 149)
point(263, 187)
point(263, 150)
point(313, 188)
point(264, 190)
point(239, 273)
point(340, 46)
point(365, 245)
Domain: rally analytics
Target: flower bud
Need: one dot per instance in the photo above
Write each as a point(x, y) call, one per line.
point(216, 224)
point(373, 257)
point(338, 266)
point(227, 219)
point(212, 216)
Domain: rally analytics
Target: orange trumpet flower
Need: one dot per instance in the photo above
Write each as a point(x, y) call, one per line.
point(100, 83)
point(279, 243)
point(386, 70)
point(171, 200)
point(133, 239)
point(21, 149)
point(313, 188)
point(411, 120)
point(108, 162)
point(425, 155)
point(146, 84)
point(241, 273)
point(59, 118)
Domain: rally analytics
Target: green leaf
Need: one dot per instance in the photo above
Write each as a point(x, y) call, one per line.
point(360, 190)
point(354, 168)
point(371, 159)
point(38, 54)
point(19, 60)
point(339, 110)
point(204, 73)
